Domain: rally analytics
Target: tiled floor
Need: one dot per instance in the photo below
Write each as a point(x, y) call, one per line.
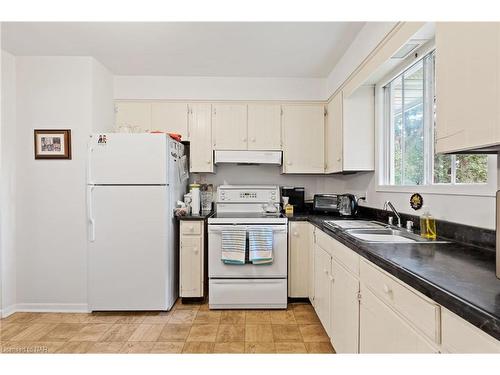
point(187, 328)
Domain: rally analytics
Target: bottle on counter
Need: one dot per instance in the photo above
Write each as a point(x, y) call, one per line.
point(187, 202)
point(194, 189)
point(287, 207)
point(428, 225)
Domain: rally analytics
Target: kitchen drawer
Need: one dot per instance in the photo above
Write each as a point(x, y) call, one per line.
point(460, 336)
point(191, 227)
point(340, 252)
point(346, 257)
point(247, 293)
point(324, 241)
point(422, 313)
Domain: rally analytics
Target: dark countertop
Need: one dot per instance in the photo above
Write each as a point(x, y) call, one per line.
point(202, 216)
point(459, 277)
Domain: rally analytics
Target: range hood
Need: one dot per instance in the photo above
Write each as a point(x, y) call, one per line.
point(248, 157)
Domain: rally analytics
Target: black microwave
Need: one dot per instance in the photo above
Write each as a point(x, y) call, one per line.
point(326, 202)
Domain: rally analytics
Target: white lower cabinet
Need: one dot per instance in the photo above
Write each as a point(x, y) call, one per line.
point(459, 336)
point(381, 330)
point(322, 286)
point(191, 272)
point(299, 247)
point(344, 323)
point(364, 309)
point(310, 289)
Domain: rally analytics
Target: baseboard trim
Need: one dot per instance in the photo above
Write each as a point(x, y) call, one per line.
point(9, 310)
point(52, 307)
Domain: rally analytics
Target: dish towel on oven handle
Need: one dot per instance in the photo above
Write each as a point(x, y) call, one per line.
point(260, 240)
point(233, 245)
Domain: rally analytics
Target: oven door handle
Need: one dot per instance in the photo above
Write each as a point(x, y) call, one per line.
point(219, 228)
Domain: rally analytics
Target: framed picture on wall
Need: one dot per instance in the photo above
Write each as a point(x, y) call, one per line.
point(52, 143)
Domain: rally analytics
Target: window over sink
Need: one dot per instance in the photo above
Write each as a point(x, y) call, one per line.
point(407, 152)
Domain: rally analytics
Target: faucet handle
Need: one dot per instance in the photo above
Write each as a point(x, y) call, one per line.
point(390, 220)
point(409, 226)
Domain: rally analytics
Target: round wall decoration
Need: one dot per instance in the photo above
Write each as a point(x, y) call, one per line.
point(416, 201)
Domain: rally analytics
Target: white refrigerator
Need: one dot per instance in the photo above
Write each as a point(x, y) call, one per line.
point(133, 183)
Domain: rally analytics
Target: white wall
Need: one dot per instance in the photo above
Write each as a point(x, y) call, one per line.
point(477, 211)
point(55, 92)
point(365, 42)
point(8, 184)
point(103, 116)
point(219, 88)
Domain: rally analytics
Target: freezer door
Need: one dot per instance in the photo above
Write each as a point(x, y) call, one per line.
point(127, 159)
point(131, 258)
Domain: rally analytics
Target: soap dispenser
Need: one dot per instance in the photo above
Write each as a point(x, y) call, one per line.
point(427, 225)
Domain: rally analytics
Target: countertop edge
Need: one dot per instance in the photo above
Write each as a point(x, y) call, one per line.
point(203, 216)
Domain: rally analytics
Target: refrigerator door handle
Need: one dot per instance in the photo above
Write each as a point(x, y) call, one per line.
point(90, 213)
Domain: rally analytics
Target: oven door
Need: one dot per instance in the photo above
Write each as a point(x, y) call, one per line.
point(218, 269)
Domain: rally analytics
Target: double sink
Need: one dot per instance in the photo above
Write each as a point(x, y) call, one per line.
point(375, 232)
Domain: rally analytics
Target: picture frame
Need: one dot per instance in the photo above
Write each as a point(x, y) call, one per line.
point(52, 143)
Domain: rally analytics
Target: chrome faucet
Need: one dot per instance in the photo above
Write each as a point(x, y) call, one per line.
point(388, 204)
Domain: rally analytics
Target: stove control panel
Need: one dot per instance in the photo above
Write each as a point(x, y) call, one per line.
point(248, 194)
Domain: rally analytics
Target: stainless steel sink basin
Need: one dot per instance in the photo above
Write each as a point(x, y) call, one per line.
point(353, 224)
point(388, 235)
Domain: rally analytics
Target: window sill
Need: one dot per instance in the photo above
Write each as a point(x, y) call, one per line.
point(481, 190)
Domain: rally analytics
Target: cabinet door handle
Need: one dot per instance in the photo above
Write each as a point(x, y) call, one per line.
point(295, 234)
point(253, 139)
point(288, 163)
point(387, 290)
point(191, 228)
point(339, 159)
point(332, 279)
point(195, 250)
point(325, 271)
point(209, 161)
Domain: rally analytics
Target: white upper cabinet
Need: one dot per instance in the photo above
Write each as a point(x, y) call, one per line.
point(135, 115)
point(264, 127)
point(350, 132)
point(200, 130)
point(170, 117)
point(333, 135)
point(303, 128)
point(467, 86)
point(229, 126)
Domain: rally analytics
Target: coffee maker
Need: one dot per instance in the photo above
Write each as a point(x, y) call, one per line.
point(295, 197)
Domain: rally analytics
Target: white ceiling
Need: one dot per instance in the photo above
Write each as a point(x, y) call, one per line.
point(245, 49)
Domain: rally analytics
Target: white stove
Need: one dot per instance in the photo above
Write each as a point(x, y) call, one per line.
point(247, 285)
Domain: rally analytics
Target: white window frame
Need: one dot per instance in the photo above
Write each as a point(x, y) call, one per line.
point(382, 139)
